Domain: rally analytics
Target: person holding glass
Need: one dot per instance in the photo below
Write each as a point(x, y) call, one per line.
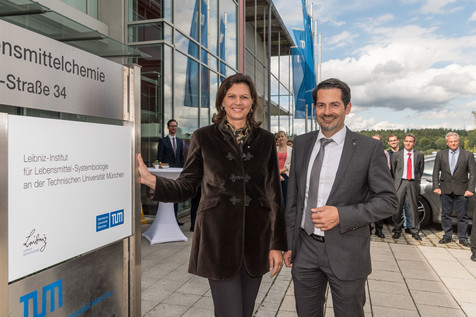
point(239, 230)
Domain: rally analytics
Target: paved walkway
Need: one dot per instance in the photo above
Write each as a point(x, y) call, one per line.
point(409, 278)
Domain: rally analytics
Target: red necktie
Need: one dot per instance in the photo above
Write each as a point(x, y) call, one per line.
point(409, 166)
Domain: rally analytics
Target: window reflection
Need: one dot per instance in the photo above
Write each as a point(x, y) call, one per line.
point(205, 96)
point(209, 59)
point(168, 83)
point(210, 22)
point(150, 9)
point(186, 87)
point(151, 86)
point(213, 93)
point(186, 45)
point(228, 32)
point(146, 32)
point(187, 17)
point(153, 63)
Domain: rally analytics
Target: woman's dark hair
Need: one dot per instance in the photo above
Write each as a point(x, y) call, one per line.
point(239, 78)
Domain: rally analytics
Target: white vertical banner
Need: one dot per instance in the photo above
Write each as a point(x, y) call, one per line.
point(69, 190)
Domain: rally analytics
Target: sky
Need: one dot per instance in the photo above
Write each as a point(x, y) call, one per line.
point(409, 63)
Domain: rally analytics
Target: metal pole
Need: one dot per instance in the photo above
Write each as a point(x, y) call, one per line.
point(305, 118)
point(269, 65)
point(133, 244)
point(316, 54)
point(4, 215)
point(279, 81)
point(320, 58)
point(290, 105)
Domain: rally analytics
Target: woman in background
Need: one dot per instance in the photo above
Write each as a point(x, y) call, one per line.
point(284, 158)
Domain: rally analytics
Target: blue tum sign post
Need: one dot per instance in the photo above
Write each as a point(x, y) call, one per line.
point(53, 290)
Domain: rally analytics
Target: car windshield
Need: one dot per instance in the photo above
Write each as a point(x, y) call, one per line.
point(429, 163)
point(428, 171)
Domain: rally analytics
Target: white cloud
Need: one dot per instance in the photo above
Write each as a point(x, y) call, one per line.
point(473, 17)
point(292, 10)
point(374, 22)
point(342, 39)
point(437, 6)
point(359, 123)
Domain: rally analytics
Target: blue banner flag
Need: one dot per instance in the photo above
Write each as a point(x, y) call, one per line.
point(305, 67)
point(309, 79)
point(298, 78)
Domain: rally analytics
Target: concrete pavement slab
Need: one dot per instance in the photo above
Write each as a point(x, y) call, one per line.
point(408, 279)
point(427, 286)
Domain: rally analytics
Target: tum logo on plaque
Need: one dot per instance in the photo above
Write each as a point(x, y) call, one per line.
point(109, 220)
point(25, 299)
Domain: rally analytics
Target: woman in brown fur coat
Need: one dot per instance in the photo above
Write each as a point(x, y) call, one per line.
point(239, 231)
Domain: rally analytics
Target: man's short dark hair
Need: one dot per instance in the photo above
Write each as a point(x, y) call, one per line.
point(410, 135)
point(333, 83)
point(170, 121)
point(391, 136)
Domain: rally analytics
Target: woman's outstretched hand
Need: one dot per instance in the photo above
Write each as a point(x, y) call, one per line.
point(146, 177)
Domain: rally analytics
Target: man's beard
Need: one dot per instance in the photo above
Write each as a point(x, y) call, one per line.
point(328, 128)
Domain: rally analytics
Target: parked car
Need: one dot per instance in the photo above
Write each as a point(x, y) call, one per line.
point(429, 204)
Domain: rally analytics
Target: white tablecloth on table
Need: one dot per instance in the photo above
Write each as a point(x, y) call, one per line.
point(165, 227)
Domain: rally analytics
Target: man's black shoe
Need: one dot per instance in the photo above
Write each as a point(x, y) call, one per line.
point(180, 223)
point(473, 257)
point(396, 235)
point(464, 242)
point(407, 230)
point(445, 240)
point(416, 236)
point(192, 228)
point(379, 234)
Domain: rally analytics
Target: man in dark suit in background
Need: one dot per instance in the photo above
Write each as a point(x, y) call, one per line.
point(394, 142)
point(339, 183)
point(171, 147)
point(407, 170)
point(171, 151)
point(454, 180)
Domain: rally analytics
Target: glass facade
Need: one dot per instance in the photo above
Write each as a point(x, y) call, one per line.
point(192, 43)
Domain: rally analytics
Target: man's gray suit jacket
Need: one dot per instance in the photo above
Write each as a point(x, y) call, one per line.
point(463, 178)
point(363, 192)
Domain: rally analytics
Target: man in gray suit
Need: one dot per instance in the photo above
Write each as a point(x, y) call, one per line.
point(339, 183)
point(454, 180)
point(407, 170)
